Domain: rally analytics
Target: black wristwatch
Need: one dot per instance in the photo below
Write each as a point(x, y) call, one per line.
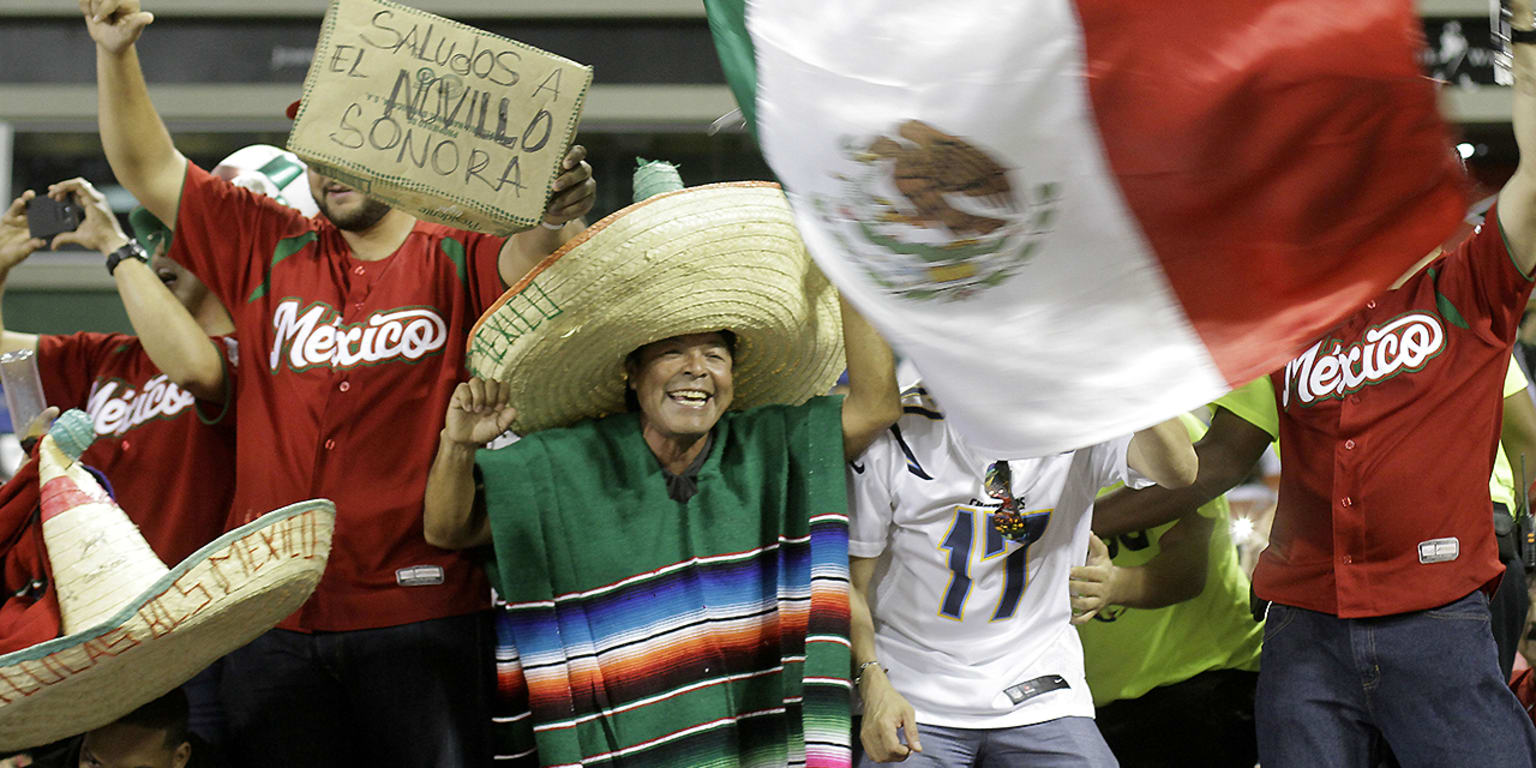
point(132, 250)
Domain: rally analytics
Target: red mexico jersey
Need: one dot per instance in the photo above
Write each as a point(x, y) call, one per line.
point(1388, 427)
point(349, 365)
point(170, 459)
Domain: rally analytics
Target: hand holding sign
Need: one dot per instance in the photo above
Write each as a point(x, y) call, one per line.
point(575, 191)
point(446, 122)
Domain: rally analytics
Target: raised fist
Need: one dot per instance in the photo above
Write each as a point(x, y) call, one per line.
point(478, 412)
point(115, 24)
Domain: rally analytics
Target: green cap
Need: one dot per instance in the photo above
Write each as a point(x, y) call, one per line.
point(151, 233)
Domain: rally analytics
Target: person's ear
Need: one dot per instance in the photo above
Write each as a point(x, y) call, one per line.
point(182, 756)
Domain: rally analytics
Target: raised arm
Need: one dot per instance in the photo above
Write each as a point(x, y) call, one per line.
point(453, 515)
point(136, 141)
point(575, 191)
point(1226, 454)
point(16, 244)
point(172, 338)
point(874, 401)
point(1163, 454)
point(1517, 201)
point(175, 343)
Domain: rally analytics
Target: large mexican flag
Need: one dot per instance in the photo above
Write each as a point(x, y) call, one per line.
point(1078, 218)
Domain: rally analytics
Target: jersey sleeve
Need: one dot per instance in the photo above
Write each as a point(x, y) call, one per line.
point(1111, 465)
point(229, 236)
point(1480, 287)
point(1254, 403)
point(482, 259)
point(67, 366)
point(871, 502)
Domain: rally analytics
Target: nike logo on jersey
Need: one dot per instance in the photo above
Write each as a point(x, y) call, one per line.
point(317, 337)
point(1329, 369)
point(114, 407)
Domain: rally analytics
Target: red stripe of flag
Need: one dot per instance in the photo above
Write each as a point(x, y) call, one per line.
point(1285, 159)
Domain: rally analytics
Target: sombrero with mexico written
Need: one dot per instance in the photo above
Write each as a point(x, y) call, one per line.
point(132, 628)
point(678, 261)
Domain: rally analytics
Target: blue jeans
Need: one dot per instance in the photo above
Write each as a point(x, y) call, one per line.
point(1426, 683)
point(1066, 742)
point(412, 695)
point(205, 716)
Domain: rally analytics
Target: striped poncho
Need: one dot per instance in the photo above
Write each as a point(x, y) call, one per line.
point(658, 633)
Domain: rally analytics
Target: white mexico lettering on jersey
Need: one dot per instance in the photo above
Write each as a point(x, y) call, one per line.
point(114, 407)
point(1402, 345)
point(317, 337)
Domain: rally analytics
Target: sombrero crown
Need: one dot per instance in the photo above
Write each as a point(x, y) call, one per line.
point(678, 261)
point(133, 629)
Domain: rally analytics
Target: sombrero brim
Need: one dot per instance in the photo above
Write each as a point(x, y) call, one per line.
point(708, 258)
point(217, 600)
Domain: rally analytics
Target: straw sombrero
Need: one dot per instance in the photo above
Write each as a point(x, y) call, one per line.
point(132, 628)
point(680, 261)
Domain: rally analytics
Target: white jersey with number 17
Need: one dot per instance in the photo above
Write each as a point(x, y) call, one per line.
point(963, 615)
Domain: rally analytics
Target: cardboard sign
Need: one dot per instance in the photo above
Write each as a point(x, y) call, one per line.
point(444, 121)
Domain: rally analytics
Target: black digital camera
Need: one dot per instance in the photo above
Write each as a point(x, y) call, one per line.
point(47, 217)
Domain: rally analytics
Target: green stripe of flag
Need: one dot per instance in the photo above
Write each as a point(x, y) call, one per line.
point(728, 25)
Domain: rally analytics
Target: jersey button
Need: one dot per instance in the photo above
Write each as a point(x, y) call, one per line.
point(344, 386)
point(358, 270)
point(330, 444)
point(126, 445)
point(358, 306)
point(1370, 304)
point(1347, 559)
point(1349, 445)
point(1354, 399)
point(1346, 502)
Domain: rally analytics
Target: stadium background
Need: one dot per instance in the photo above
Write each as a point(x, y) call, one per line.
point(221, 72)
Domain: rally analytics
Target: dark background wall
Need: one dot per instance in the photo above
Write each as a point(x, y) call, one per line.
point(261, 49)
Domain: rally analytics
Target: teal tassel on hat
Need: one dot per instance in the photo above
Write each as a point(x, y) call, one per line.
point(654, 177)
point(72, 432)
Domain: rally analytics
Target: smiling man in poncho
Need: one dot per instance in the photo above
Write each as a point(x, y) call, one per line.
point(676, 572)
